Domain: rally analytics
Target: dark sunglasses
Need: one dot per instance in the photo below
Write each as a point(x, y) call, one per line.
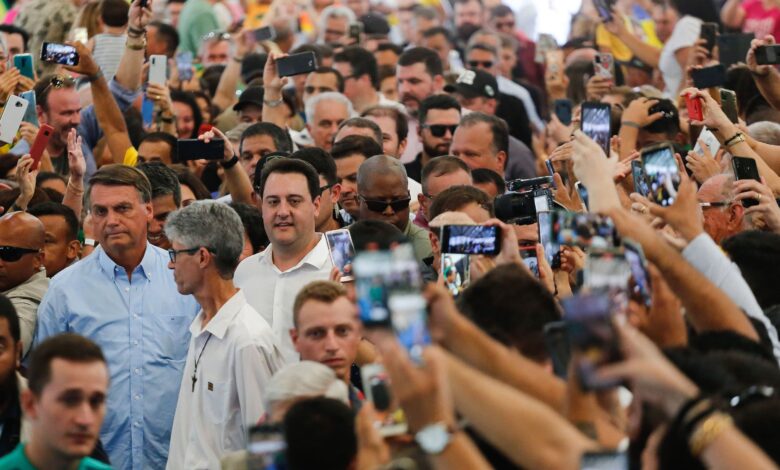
point(58, 81)
point(221, 35)
point(380, 206)
point(752, 394)
point(439, 130)
point(484, 63)
point(10, 254)
point(190, 251)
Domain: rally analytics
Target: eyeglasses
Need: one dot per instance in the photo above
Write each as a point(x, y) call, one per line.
point(714, 204)
point(190, 251)
point(58, 81)
point(751, 394)
point(325, 188)
point(380, 206)
point(477, 63)
point(221, 35)
point(440, 130)
point(11, 254)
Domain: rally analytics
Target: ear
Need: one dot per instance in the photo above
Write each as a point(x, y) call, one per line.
point(438, 83)
point(434, 240)
point(149, 212)
point(501, 162)
point(74, 247)
point(402, 147)
point(19, 351)
point(294, 336)
point(316, 203)
point(39, 258)
point(736, 215)
point(335, 190)
point(40, 114)
point(28, 404)
point(421, 200)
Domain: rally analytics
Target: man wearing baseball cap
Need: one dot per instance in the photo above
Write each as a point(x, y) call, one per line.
point(250, 105)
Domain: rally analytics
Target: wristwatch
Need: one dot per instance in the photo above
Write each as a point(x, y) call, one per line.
point(434, 438)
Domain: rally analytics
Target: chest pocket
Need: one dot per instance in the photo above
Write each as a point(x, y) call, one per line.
point(216, 400)
point(174, 335)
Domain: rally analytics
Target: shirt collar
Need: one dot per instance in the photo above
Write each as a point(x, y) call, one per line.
point(219, 324)
point(315, 258)
point(111, 268)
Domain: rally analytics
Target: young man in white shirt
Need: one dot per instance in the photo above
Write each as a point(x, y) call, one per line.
point(289, 190)
point(232, 353)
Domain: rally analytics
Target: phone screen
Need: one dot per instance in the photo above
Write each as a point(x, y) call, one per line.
point(596, 123)
point(728, 101)
point(410, 323)
point(341, 252)
point(59, 53)
point(376, 385)
point(195, 149)
point(551, 250)
point(456, 271)
point(266, 448)
point(184, 65)
point(604, 65)
point(528, 254)
point(556, 340)
point(563, 110)
point(733, 47)
point(709, 77)
point(709, 139)
point(638, 174)
point(638, 264)
point(662, 174)
point(470, 239)
point(746, 169)
point(30, 114)
point(582, 191)
point(583, 230)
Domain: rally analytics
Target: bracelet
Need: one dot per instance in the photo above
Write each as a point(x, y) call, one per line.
point(167, 120)
point(709, 430)
point(94, 77)
point(136, 47)
point(135, 31)
point(238, 59)
point(736, 139)
point(630, 124)
point(273, 103)
point(230, 163)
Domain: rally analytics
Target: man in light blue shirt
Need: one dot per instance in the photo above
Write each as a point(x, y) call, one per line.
point(124, 298)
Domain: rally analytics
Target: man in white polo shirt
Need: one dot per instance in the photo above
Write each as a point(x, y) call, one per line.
point(290, 196)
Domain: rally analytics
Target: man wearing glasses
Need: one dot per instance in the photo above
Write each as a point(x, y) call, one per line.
point(22, 275)
point(438, 116)
point(383, 194)
point(232, 353)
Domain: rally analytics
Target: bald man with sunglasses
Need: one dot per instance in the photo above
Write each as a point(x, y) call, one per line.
point(22, 275)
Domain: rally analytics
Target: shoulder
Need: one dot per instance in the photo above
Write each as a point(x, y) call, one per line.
point(249, 266)
point(250, 329)
point(78, 271)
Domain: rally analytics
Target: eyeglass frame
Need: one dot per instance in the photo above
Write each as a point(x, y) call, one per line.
point(220, 35)
point(172, 254)
point(10, 249)
point(448, 127)
point(407, 200)
point(476, 63)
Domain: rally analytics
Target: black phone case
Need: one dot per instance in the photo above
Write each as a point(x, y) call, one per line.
point(194, 149)
point(296, 64)
point(709, 77)
point(768, 55)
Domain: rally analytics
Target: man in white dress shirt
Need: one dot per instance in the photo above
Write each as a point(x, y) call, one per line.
point(232, 353)
point(289, 191)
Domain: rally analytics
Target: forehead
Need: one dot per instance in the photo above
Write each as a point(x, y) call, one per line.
point(217, 46)
point(285, 184)
point(331, 109)
point(443, 116)
point(154, 149)
point(65, 97)
point(386, 184)
point(415, 70)
point(89, 377)
point(322, 80)
point(478, 134)
point(53, 223)
point(443, 182)
point(477, 213)
point(104, 195)
point(347, 131)
point(349, 165)
point(318, 314)
point(479, 54)
point(386, 123)
point(257, 142)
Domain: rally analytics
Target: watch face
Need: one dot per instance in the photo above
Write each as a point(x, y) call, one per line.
point(433, 439)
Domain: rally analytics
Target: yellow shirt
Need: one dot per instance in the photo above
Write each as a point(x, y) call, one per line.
point(645, 30)
point(131, 156)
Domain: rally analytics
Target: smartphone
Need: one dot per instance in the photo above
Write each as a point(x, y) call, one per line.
point(376, 386)
point(661, 173)
point(147, 112)
point(184, 65)
point(604, 65)
point(551, 250)
point(638, 265)
point(410, 323)
point(582, 191)
point(638, 174)
point(342, 252)
point(550, 169)
point(728, 102)
point(194, 149)
point(31, 113)
point(528, 253)
point(589, 327)
point(563, 110)
point(556, 340)
point(266, 447)
point(81, 35)
point(456, 272)
point(695, 109)
point(709, 77)
point(768, 55)
point(266, 33)
point(608, 271)
point(158, 66)
point(709, 139)
point(745, 169)
point(355, 31)
point(733, 47)
point(39, 144)
point(13, 113)
point(57, 53)
point(709, 32)
point(546, 43)
point(471, 239)
point(144, 3)
point(604, 461)
point(583, 230)
point(296, 64)
point(24, 62)
point(604, 9)
point(596, 123)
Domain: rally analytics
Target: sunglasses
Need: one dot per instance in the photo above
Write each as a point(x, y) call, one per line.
point(380, 206)
point(440, 130)
point(477, 63)
point(58, 81)
point(11, 254)
point(752, 394)
point(221, 35)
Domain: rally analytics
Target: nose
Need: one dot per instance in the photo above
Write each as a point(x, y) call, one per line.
point(388, 210)
point(85, 415)
point(331, 344)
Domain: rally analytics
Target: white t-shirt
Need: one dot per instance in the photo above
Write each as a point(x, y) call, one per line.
point(685, 34)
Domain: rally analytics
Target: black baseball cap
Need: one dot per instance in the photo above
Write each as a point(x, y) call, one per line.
point(252, 66)
point(252, 95)
point(474, 83)
point(374, 24)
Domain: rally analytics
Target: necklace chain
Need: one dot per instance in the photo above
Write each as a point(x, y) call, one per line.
point(197, 361)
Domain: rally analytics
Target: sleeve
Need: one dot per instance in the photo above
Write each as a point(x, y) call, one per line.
point(254, 366)
point(89, 130)
point(709, 259)
point(51, 316)
point(27, 311)
point(131, 157)
point(685, 33)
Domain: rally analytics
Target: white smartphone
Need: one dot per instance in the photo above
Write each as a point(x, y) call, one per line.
point(12, 118)
point(709, 140)
point(158, 65)
point(342, 252)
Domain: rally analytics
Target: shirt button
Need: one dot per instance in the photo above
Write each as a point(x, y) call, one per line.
point(135, 315)
point(135, 342)
point(137, 397)
point(138, 371)
point(137, 424)
point(127, 289)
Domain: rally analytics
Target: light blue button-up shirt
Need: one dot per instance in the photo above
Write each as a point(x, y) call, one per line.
point(142, 325)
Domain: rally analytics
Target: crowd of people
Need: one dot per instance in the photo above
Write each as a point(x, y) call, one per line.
point(225, 266)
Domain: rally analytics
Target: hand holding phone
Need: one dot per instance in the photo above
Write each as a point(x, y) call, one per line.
point(158, 69)
point(296, 64)
point(709, 33)
point(695, 108)
point(63, 54)
point(596, 123)
point(563, 111)
point(24, 62)
point(746, 169)
point(13, 113)
point(39, 144)
point(342, 252)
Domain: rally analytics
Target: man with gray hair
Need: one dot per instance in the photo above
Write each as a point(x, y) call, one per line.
point(232, 353)
point(383, 194)
point(324, 113)
point(334, 25)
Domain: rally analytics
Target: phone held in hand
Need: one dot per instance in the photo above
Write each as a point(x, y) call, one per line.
point(709, 77)
point(604, 65)
point(30, 114)
point(746, 169)
point(661, 173)
point(728, 102)
point(456, 271)
point(158, 69)
point(195, 149)
point(13, 113)
point(296, 64)
point(564, 111)
point(266, 447)
point(768, 55)
point(528, 254)
point(733, 47)
point(342, 252)
point(57, 53)
point(147, 112)
point(639, 273)
point(582, 191)
point(266, 33)
point(471, 239)
point(695, 108)
point(24, 62)
point(604, 9)
point(184, 65)
point(39, 144)
point(638, 175)
point(709, 32)
point(709, 139)
point(376, 385)
point(556, 340)
point(596, 123)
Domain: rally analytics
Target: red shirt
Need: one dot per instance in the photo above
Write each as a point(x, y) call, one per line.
point(759, 20)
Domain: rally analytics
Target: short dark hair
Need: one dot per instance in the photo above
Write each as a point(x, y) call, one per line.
point(114, 12)
point(361, 61)
point(8, 311)
point(362, 123)
point(497, 126)
point(757, 254)
point(166, 138)
point(320, 433)
point(164, 181)
point(55, 208)
point(510, 305)
point(500, 11)
point(321, 51)
point(49, 175)
point(355, 145)
point(436, 102)
point(485, 175)
point(120, 175)
point(188, 98)
point(320, 160)
point(401, 121)
point(429, 57)
point(669, 123)
point(437, 30)
point(463, 2)
point(291, 166)
point(482, 47)
point(13, 29)
point(374, 232)
point(68, 346)
point(253, 224)
point(43, 88)
point(440, 166)
point(389, 46)
point(168, 35)
point(281, 138)
point(456, 197)
point(323, 70)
